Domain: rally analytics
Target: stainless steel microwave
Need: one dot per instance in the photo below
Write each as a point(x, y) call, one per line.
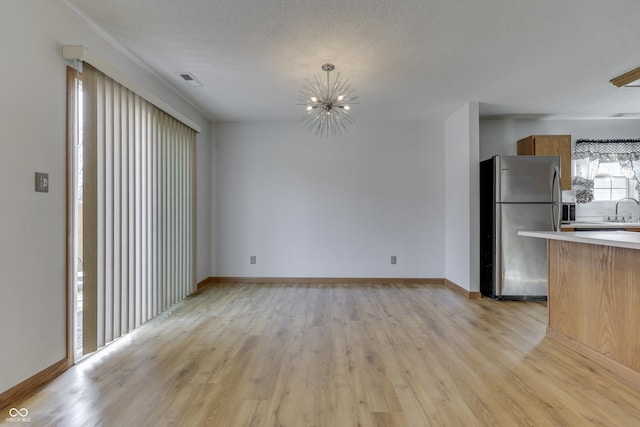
point(568, 212)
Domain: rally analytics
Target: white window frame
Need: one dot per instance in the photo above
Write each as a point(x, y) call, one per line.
point(630, 190)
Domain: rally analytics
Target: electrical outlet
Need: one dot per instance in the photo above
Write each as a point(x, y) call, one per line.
point(42, 182)
point(252, 259)
point(393, 259)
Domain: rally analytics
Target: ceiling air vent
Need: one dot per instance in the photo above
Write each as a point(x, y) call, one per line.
point(190, 80)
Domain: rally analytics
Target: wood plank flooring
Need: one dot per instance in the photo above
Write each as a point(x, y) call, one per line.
point(337, 355)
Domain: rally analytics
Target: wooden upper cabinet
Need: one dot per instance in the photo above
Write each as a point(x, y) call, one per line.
point(550, 145)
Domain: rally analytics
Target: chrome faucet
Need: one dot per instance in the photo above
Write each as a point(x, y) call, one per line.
point(625, 198)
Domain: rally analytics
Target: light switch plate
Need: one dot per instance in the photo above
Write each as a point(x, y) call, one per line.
point(42, 182)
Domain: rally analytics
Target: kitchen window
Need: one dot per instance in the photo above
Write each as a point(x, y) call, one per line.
point(605, 170)
point(610, 183)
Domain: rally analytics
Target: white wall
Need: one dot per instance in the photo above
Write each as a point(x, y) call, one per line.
point(337, 207)
point(205, 170)
point(462, 202)
point(32, 138)
point(212, 176)
point(499, 136)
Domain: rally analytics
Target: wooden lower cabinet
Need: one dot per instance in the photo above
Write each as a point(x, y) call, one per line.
point(594, 299)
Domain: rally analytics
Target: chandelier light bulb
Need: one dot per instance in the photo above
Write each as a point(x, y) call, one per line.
point(331, 96)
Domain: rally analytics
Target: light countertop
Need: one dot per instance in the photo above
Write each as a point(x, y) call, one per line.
point(619, 239)
point(601, 225)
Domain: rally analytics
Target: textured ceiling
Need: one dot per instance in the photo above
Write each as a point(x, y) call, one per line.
point(407, 59)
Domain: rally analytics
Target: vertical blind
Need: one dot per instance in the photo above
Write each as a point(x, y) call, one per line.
point(138, 209)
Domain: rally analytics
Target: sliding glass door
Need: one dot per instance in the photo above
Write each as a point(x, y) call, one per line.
point(133, 202)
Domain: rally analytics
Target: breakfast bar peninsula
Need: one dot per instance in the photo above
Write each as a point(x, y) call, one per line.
point(594, 295)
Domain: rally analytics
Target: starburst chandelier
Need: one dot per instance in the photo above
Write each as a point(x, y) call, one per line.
point(327, 103)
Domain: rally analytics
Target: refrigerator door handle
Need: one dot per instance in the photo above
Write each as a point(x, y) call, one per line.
point(556, 192)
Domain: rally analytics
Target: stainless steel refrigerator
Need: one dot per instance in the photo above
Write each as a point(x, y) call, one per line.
point(517, 193)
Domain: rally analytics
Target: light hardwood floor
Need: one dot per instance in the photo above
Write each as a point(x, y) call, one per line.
point(337, 355)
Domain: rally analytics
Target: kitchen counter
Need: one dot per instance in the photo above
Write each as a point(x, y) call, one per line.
point(594, 295)
point(620, 239)
point(603, 225)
